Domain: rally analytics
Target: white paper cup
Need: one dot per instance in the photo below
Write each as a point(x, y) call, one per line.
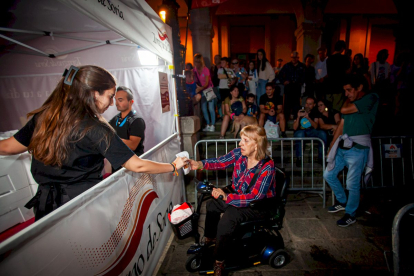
point(186, 168)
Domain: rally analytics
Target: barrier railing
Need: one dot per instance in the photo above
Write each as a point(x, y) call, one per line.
point(393, 161)
point(401, 267)
point(308, 177)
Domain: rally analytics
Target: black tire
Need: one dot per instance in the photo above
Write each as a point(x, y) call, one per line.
point(193, 263)
point(278, 258)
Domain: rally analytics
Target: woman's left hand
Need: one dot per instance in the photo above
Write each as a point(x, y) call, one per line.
point(198, 89)
point(218, 192)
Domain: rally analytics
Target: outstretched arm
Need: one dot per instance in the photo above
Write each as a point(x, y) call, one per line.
point(11, 146)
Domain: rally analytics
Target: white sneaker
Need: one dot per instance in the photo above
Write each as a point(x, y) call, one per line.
point(207, 128)
point(212, 128)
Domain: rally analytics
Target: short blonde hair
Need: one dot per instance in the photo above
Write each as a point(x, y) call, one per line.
point(258, 134)
point(199, 57)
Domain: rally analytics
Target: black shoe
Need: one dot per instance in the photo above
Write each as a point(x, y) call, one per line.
point(298, 162)
point(284, 134)
point(346, 220)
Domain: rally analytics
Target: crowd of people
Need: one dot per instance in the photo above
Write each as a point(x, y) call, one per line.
point(293, 83)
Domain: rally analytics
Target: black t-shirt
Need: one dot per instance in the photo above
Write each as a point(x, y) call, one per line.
point(271, 103)
point(131, 125)
point(306, 124)
point(84, 163)
point(330, 120)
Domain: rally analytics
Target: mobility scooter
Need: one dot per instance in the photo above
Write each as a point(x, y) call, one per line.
point(254, 242)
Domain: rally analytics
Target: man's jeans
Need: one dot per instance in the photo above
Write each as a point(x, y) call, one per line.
point(317, 133)
point(355, 160)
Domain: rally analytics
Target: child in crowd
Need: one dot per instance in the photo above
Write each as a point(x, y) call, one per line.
point(191, 86)
point(251, 107)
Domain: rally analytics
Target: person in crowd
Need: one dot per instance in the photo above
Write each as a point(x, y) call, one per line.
point(351, 147)
point(278, 68)
point(337, 66)
point(246, 160)
point(320, 74)
point(266, 74)
point(203, 80)
point(309, 76)
point(252, 78)
point(191, 86)
point(189, 66)
point(293, 77)
point(271, 108)
point(306, 125)
point(360, 68)
point(328, 120)
point(234, 109)
point(127, 124)
point(216, 81)
point(241, 75)
point(380, 77)
point(227, 80)
point(251, 105)
point(69, 139)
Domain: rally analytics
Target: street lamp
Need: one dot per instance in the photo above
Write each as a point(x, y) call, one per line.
point(163, 13)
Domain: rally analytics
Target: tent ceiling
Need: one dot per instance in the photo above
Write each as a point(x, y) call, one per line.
point(52, 16)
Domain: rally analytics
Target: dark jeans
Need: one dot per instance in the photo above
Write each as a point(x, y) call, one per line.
point(317, 133)
point(223, 229)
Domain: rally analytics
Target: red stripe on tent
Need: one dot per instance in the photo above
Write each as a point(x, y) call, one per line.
point(136, 238)
point(15, 229)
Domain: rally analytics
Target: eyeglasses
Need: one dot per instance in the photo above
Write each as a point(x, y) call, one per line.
point(234, 63)
point(320, 104)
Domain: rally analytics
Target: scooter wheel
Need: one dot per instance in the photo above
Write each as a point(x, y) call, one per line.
point(193, 263)
point(278, 258)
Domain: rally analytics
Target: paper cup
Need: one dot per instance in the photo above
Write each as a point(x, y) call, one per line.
point(186, 168)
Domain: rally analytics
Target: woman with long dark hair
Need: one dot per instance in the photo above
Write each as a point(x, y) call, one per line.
point(266, 74)
point(69, 139)
point(234, 108)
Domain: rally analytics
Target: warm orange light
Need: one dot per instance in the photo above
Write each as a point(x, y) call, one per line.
point(163, 15)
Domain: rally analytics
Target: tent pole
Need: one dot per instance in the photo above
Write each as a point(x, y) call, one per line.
point(24, 45)
point(21, 31)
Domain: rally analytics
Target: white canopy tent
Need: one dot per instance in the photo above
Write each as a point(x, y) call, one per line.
point(125, 37)
point(123, 218)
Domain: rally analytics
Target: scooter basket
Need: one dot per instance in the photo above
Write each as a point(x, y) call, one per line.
point(183, 229)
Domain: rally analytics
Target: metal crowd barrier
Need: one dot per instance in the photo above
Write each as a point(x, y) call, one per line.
point(402, 267)
point(393, 161)
point(306, 181)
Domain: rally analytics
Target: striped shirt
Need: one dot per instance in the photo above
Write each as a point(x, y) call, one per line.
point(265, 185)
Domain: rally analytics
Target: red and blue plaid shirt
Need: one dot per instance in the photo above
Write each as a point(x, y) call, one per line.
point(265, 185)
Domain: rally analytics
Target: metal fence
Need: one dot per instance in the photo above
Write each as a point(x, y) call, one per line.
point(307, 177)
point(393, 161)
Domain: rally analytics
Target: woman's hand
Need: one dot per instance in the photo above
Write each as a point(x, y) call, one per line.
point(195, 165)
point(218, 192)
point(181, 162)
point(198, 89)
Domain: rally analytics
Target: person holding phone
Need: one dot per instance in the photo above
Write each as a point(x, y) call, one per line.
point(306, 125)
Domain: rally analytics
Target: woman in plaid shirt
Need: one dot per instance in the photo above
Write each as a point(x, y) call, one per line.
point(246, 159)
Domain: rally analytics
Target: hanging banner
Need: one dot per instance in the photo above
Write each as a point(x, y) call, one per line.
point(165, 96)
point(118, 227)
point(198, 4)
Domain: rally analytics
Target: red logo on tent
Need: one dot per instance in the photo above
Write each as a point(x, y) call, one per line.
point(162, 37)
point(392, 147)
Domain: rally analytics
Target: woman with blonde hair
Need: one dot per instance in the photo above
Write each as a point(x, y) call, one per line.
point(249, 162)
point(69, 139)
point(203, 79)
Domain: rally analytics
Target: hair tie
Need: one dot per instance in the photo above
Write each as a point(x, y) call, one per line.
point(67, 73)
